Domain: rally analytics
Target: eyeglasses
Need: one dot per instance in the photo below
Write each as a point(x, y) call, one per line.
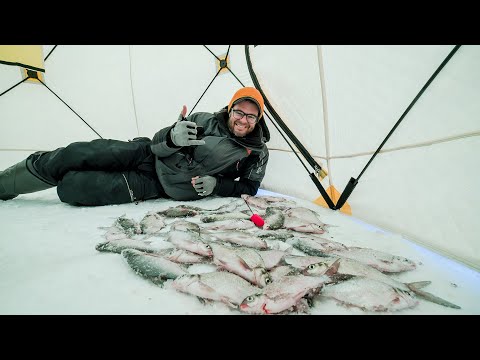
point(239, 114)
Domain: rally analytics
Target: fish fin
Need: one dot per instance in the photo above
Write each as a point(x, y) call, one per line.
point(243, 263)
point(433, 298)
point(333, 268)
point(104, 227)
point(418, 285)
point(202, 300)
point(337, 278)
point(227, 301)
point(103, 246)
point(157, 281)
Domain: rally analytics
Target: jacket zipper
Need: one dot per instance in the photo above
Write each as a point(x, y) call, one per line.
point(132, 197)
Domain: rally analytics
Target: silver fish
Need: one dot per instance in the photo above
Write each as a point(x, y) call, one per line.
point(114, 232)
point(188, 210)
point(283, 270)
point(185, 225)
point(220, 286)
point(273, 258)
point(116, 246)
point(244, 262)
point(189, 241)
point(153, 267)
point(178, 211)
point(183, 256)
point(300, 225)
point(262, 202)
point(274, 218)
point(306, 215)
point(314, 246)
point(129, 226)
point(234, 224)
point(280, 234)
point(152, 223)
point(379, 260)
point(313, 266)
point(240, 238)
point(282, 295)
point(224, 216)
point(370, 295)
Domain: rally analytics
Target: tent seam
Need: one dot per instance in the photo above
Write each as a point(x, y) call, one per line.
point(325, 112)
point(131, 88)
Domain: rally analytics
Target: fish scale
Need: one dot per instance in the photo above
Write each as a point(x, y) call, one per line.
point(153, 267)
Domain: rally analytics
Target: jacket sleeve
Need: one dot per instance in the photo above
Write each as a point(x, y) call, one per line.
point(162, 145)
point(234, 188)
point(251, 176)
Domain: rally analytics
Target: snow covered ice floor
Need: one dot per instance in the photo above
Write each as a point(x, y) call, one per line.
point(49, 265)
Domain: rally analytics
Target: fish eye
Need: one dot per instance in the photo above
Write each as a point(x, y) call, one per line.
point(250, 298)
point(208, 246)
point(311, 266)
point(268, 280)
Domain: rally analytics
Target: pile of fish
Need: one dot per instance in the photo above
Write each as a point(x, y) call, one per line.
point(278, 269)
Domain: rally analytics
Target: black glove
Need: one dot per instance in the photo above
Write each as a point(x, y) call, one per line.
point(184, 133)
point(205, 185)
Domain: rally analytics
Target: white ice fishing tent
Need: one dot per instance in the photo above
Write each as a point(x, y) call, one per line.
point(340, 102)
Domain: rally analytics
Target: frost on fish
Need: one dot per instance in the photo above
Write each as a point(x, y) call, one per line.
point(379, 260)
point(231, 224)
point(262, 202)
point(130, 226)
point(224, 216)
point(280, 234)
point(152, 223)
point(185, 225)
point(241, 238)
point(283, 270)
point(314, 246)
point(274, 218)
point(307, 215)
point(153, 267)
point(184, 256)
point(116, 246)
point(244, 262)
point(122, 228)
point(178, 211)
point(370, 295)
point(273, 258)
point(189, 241)
point(315, 266)
point(220, 286)
point(300, 225)
point(188, 210)
point(114, 232)
point(282, 295)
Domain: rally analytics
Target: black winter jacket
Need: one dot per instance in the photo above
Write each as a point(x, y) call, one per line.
point(237, 163)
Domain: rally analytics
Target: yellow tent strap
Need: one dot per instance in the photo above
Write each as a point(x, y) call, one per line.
point(334, 195)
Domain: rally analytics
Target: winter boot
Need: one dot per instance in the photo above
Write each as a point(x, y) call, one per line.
point(21, 178)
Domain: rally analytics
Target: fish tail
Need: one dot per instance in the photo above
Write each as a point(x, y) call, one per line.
point(418, 285)
point(432, 298)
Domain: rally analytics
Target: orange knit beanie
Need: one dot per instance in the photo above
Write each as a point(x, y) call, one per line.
point(249, 93)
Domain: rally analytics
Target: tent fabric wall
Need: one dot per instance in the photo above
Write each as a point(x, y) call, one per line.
point(340, 102)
